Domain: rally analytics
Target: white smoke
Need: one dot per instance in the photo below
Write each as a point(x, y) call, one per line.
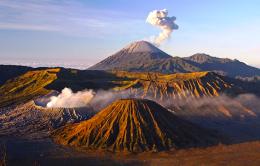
point(97, 100)
point(68, 99)
point(159, 18)
point(101, 98)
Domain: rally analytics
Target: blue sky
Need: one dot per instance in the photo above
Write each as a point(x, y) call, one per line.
point(86, 31)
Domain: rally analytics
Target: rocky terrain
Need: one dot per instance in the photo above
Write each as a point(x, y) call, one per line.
point(195, 110)
point(32, 121)
point(172, 86)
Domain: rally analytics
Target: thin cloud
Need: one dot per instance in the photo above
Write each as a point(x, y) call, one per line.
point(67, 17)
point(18, 26)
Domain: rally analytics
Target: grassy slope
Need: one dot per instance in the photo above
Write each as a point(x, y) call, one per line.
point(26, 86)
point(10, 71)
point(39, 82)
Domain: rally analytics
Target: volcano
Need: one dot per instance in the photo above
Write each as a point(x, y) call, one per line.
point(132, 57)
point(134, 125)
point(142, 56)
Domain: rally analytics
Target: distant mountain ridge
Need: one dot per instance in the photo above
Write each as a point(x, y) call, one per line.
point(142, 56)
point(223, 66)
point(205, 58)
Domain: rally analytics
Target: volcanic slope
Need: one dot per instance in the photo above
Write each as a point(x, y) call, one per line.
point(145, 85)
point(172, 86)
point(10, 71)
point(27, 86)
point(31, 121)
point(142, 56)
point(134, 125)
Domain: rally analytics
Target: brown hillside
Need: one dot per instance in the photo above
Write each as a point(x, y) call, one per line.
point(27, 86)
point(142, 85)
point(182, 85)
point(134, 125)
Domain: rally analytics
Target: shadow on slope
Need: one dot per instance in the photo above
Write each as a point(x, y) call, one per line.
point(238, 117)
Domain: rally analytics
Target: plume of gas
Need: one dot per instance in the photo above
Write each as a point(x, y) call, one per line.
point(98, 100)
point(68, 99)
point(159, 18)
point(244, 104)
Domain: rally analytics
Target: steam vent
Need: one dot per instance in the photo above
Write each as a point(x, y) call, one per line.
point(134, 125)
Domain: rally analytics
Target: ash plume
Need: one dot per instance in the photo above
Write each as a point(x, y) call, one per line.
point(69, 99)
point(159, 18)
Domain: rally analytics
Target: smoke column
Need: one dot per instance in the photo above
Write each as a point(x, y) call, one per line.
point(68, 99)
point(159, 18)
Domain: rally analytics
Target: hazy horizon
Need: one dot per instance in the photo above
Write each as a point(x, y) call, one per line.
point(81, 33)
point(70, 63)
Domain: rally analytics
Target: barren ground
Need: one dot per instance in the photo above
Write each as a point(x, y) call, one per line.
point(44, 152)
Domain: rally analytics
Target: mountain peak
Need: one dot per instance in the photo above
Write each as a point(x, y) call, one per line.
point(142, 56)
point(200, 57)
point(205, 58)
point(142, 46)
point(133, 57)
point(134, 125)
